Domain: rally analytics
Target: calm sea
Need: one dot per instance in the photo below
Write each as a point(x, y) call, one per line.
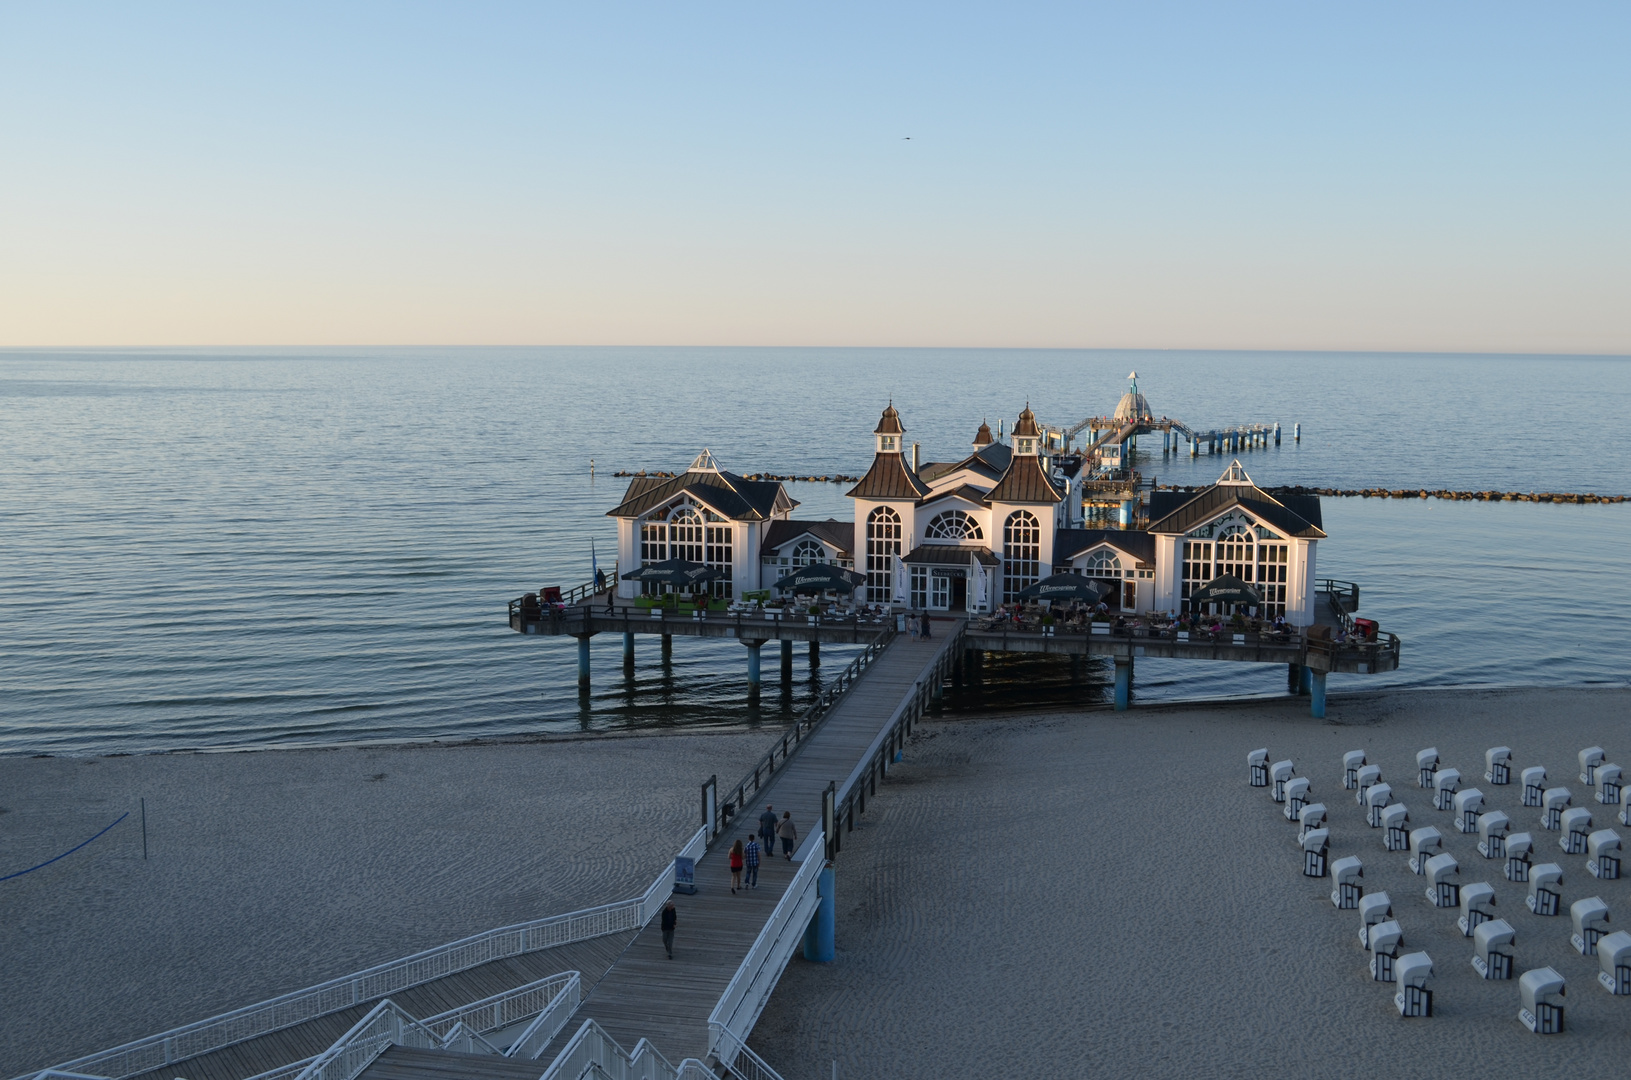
point(251, 548)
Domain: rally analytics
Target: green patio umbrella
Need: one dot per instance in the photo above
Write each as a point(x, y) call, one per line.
point(674, 572)
point(1066, 587)
point(820, 577)
point(1225, 589)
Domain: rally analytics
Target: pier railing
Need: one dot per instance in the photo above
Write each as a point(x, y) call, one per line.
point(593, 1053)
point(736, 799)
point(850, 797)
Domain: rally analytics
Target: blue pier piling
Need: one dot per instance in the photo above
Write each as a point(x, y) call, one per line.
point(821, 937)
point(628, 649)
point(1277, 433)
point(1316, 695)
point(1296, 433)
point(753, 663)
point(583, 662)
point(1195, 446)
point(1124, 682)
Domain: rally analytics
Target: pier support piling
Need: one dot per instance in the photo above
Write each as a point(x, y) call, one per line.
point(754, 648)
point(815, 654)
point(820, 937)
point(1316, 695)
point(628, 649)
point(583, 662)
point(1294, 679)
point(1296, 433)
point(1124, 683)
point(787, 661)
point(668, 647)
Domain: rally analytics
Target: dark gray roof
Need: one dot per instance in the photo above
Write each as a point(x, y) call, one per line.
point(726, 493)
point(1206, 504)
point(1069, 543)
point(889, 478)
point(948, 555)
point(1025, 481)
point(988, 461)
point(840, 534)
point(962, 491)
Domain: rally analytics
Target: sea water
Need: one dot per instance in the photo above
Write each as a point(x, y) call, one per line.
point(212, 548)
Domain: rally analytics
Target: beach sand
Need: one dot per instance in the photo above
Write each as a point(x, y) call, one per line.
point(272, 870)
point(1103, 895)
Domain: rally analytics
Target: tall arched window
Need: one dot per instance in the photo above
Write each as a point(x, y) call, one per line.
point(808, 553)
point(883, 536)
point(1103, 565)
point(1021, 553)
point(1236, 553)
point(685, 534)
point(953, 525)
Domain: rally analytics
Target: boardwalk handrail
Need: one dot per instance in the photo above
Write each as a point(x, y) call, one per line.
point(874, 763)
point(298, 1006)
point(593, 1052)
point(745, 1064)
point(735, 799)
point(385, 1025)
point(744, 999)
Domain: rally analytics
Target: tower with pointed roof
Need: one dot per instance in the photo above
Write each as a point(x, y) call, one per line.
point(1026, 506)
point(885, 510)
point(982, 437)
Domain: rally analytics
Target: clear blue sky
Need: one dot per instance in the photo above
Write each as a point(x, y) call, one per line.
point(1300, 175)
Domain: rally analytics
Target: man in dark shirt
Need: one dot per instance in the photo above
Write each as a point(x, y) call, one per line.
point(671, 917)
point(767, 829)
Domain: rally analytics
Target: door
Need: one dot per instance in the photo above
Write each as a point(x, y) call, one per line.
point(959, 594)
point(940, 592)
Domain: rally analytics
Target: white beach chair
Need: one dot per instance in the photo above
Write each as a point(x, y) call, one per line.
point(1493, 944)
point(1411, 973)
point(1349, 874)
point(1477, 906)
point(1545, 889)
point(1589, 917)
point(1541, 992)
point(1498, 765)
point(1492, 830)
point(1603, 855)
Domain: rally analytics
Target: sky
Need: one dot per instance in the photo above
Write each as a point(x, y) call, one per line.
point(1378, 176)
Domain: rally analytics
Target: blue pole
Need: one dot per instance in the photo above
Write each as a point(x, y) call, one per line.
point(753, 662)
point(821, 936)
point(1316, 695)
point(1124, 683)
point(583, 662)
point(628, 648)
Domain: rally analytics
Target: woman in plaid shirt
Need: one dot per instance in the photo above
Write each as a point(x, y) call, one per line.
point(750, 858)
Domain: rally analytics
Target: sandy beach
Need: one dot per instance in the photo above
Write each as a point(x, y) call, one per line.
point(1104, 895)
point(273, 870)
point(1068, 893)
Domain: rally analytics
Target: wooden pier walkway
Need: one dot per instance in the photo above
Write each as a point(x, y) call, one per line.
point(646, 995)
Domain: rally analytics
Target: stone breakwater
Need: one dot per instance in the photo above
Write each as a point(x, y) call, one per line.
point(1437, 493)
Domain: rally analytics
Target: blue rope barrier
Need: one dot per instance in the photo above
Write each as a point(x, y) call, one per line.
point(65, 854)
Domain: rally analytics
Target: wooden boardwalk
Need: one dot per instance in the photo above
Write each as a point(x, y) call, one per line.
point(255, 1056)
point(645, 994)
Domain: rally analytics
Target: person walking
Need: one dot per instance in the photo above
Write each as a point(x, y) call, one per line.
point(671, 918)
point(767, 829)
point(750, 862)
point(789, 834)
point(736, 866)
point(912, 624)
point(925, 626)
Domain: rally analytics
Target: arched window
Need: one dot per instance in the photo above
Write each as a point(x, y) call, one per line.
point(1236, 550)
point(808, 552)
point(1021, 553)
point(883, 536)
point(953, 525)
point(1103, 565)
point(685, 534)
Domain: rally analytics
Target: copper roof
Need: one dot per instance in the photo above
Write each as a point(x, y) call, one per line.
point(1201, 507)
point(889, 423)
point(1025, 482)
point(890, 478)
point(726, 493)
point(1027, 425)
point(983, 436)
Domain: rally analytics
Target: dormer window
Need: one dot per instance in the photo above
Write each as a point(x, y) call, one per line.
point(1026, 446)
point(887, 444)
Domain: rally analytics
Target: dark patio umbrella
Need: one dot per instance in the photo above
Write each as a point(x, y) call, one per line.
point(819, 577)
point(1225, 589)
point(1066, 587)
point(674, 572)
